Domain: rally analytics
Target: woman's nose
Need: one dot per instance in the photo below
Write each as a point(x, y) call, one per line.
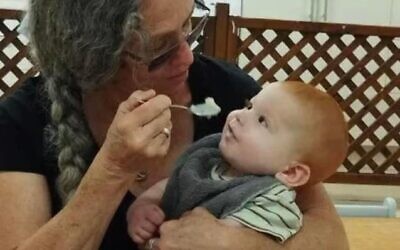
point(183, 57)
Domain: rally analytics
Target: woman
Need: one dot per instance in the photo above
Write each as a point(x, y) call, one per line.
point(73, 157)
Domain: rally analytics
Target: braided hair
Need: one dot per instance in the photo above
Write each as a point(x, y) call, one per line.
point(77, 46)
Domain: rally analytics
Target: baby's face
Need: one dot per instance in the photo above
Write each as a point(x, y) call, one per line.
point(260, 138)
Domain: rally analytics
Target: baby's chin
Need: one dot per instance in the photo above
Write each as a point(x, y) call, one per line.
point(224, 147)
point(221, 147)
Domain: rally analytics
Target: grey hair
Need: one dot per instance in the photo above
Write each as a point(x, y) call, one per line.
point(77, 45)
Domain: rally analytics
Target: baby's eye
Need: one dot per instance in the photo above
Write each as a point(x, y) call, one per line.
point(262, 121)
point(248, 104)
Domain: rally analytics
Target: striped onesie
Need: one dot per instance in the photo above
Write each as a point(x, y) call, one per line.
point(273, 212)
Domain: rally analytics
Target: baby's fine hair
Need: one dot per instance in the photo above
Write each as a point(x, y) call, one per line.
point(327, 148)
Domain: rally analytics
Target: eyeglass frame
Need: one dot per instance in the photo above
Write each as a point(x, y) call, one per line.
point(190, 38)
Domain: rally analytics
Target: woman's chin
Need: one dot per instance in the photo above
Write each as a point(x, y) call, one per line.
point(179, 93)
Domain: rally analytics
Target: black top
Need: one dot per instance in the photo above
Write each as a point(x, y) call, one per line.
point(25, 114)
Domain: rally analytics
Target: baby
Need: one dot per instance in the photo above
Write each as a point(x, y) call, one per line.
point(290, 135)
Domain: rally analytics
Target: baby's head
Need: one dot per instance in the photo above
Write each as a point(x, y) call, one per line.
point(291, 130)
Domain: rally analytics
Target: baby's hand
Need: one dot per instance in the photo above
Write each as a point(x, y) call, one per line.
point(144, 220)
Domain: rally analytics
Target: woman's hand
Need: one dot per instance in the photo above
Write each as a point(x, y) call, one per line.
point(200, 230)
point(197, 229)
point(137, 132)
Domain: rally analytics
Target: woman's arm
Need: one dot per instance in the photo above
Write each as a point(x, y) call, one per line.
point(134, 134)
point(200, 230)
point(25, 206)
point(26, 211)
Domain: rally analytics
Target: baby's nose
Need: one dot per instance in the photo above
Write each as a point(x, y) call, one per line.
point(235, 121)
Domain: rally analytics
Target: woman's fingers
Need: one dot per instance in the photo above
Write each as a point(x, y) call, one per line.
point(157, 125)
point(198, 229)
point(138, 129)
point(136, 99)
point(149, 110)
point(154, 139)
point(155, 122)
point(146, 121)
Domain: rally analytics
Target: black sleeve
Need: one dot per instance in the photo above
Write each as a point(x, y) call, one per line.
point(20, 132)
point(15, 153)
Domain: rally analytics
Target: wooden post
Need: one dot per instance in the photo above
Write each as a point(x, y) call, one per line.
point(209, 38)
point(221, 31)
point(10, 14)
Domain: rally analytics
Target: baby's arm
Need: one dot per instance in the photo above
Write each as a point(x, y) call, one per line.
point(144, 216)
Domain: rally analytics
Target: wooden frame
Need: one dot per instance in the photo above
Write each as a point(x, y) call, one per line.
point(15, 61)
point(371, 105)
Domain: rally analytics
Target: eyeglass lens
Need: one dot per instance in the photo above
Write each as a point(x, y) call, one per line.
point(190, 39)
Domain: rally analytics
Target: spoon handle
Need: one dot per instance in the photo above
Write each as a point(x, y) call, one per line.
point(172, 105)
point(179, 106)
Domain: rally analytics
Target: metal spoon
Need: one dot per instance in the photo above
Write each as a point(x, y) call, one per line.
point(206, 109)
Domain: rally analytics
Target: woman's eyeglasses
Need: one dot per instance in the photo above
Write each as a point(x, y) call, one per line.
point(190, 38)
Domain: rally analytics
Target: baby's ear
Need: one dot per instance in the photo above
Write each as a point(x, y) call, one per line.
point(295, 174)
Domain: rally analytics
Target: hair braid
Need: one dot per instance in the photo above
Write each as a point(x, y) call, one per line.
point(73, 140)
point(77, 45)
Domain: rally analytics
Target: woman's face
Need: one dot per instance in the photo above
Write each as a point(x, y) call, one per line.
point(165, 22)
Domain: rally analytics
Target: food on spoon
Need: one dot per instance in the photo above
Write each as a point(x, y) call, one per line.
point(208, 109)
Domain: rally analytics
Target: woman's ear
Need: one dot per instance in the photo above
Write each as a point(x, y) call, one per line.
point(295, 174)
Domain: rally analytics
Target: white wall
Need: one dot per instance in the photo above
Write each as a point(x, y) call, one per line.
point(235, 6)
point(277, 9)
point(14, 4)
point(372, 12)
